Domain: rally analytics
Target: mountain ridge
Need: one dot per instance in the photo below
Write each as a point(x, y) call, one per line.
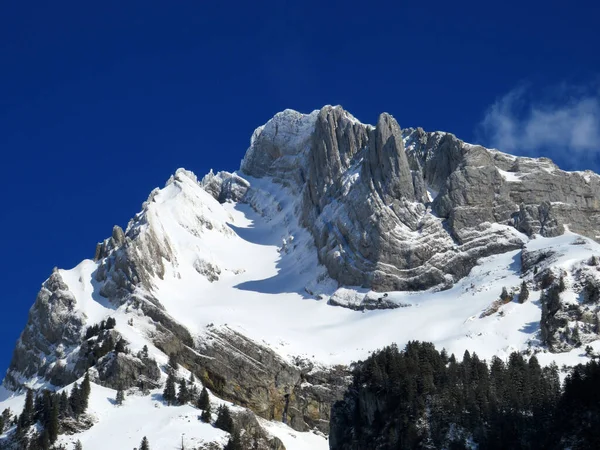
point(239, 273)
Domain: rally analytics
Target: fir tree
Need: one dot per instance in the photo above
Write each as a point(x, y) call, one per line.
point(183, 395)
point(524, 293)
point(206, 415)
point(121, 347)
point(234, 443)
point(85, 392)
point(44, 440)
point(170, 394)
point(53, 423)
point(65, 407)
point(78, 445)
point(144, 444)
point(75, 400)
point(28, 409)
point(224, 420)
point(120, 398)
point(591, 292)
point(145, 351)
point(203, 400)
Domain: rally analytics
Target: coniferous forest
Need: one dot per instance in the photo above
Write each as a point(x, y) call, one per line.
point(421, 398)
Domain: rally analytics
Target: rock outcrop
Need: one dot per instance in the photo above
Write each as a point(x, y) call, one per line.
point(394, 209)
point(253, 376)
point(53, 331)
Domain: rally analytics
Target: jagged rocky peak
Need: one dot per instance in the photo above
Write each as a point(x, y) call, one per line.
point(54, 325)
point(395, 209)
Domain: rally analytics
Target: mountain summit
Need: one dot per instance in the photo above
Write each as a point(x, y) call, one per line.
point(334, 238)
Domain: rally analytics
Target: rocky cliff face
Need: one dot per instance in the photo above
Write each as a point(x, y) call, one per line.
point(394, 209)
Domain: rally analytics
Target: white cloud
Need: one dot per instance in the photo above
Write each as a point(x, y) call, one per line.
point(564, 124)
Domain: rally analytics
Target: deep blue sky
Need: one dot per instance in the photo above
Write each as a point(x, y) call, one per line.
point(101, 101)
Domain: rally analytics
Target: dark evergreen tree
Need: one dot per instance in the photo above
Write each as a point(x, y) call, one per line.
point(170, 394)
point(591, 291)
point(145, 351)
point(53, 422)
point(234, 442)
point(206, 415)
point(110, 323)
point(86, 390)
point(120, 397)
point(65, 407)
point(121, 347)
point(504, 296)
point(524, 293)
point(203, 399)
point(44, 440)
point(224, 420)
point(144, 444)
point(75, 400)
point(183, 396)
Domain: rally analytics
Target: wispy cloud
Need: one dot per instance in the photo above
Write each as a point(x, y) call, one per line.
point(563, 122)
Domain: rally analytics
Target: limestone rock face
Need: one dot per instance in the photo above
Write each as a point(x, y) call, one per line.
point(394, 209)
point(251, 375)
point(225, 186)
point(53, 328)
point(123, 371)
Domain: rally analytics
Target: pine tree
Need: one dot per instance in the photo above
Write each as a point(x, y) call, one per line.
point(75, 400)
point(524, 294)
point(78, 445)
point(224, 420)
point(121, 347)
point(85, 392)
point(110, 323)
point(144, 444)
point(235, 442)
point(145, 351)
point(53, 425)
point(184, 395)
point(65, 407)
point(169, 394)
point(203, 400)
point(206, 415)
point(120, 398)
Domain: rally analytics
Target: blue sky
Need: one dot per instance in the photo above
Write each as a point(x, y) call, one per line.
point(100, 103)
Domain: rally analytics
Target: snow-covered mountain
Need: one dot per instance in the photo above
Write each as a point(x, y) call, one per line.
point(334, 239)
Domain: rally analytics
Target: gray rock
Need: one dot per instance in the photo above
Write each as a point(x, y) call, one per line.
point(53, 328)
point(124, 371)
point(409, 210)
point(225, 186)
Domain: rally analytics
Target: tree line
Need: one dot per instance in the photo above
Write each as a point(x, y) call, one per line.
point(422, 398)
